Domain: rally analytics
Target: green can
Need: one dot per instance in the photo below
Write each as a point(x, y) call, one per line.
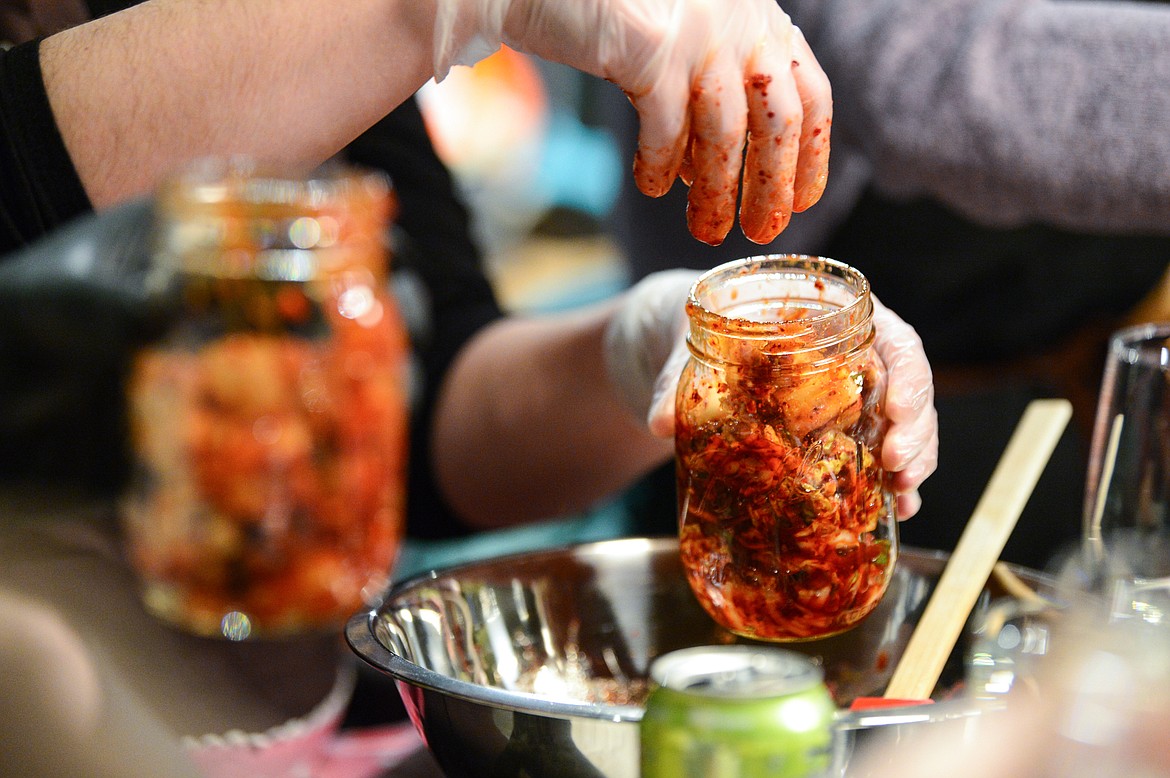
point(737, 712)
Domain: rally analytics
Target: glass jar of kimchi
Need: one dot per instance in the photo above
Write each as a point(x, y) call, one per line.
point(787, 525)
point(269, 421)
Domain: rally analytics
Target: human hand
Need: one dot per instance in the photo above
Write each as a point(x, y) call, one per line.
point(645, 348)
point(705, 78)
point(910, 450)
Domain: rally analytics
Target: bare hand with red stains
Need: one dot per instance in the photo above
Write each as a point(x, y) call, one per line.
point(707, 79)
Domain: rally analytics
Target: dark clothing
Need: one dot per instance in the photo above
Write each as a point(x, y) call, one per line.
point(39, 188)
point(434, 242)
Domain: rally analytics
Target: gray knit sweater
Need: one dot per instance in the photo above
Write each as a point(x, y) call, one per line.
point(1010, 111)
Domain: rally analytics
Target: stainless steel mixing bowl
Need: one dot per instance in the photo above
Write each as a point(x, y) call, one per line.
point(536, 664)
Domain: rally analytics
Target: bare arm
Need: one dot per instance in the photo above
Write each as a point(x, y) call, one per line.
point(528, 426)
point(542, 417)
point(140, 91)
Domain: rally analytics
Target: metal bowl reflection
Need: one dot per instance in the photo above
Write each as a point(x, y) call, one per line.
point(537, 664)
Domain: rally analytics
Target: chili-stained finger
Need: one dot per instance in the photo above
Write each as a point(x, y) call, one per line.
point(775, 116)
point(686, 171)
point(718, 127)
point(656, 167)
point(663, 129)
point(816, 96)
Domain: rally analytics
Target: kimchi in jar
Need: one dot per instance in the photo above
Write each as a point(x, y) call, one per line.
point(787, 524)
point(269, 422)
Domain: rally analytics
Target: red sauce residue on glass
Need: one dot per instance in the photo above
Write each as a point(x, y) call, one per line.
point(781, 495)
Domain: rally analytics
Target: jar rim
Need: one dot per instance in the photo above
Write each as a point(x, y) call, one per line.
point(843, 324)
point(213, 182)
point(238, 217)
point(792, 264)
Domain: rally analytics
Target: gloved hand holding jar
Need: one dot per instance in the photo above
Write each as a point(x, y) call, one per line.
point(796, 425)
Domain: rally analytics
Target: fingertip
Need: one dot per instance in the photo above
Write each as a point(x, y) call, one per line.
point(660, 420)
point(662, 134)
point(707, 224)
point(712, 195)
point(768, 177)
point(909, 503)
point(809, 189)
point(771, 165)
point(812, 166)
point(655, 170)
point(763, 229)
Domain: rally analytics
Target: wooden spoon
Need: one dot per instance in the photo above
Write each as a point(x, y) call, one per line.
point(965, 575)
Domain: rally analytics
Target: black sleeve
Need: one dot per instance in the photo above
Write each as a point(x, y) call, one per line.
point(434, 245)
point(39, 188)
point(102, 7)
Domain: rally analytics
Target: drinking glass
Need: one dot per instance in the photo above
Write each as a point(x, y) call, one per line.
point(1126, 553)
point(1096, 656)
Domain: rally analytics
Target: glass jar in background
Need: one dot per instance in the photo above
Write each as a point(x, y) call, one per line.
point(1127, 494)
point(787, 525)
point(269, 422)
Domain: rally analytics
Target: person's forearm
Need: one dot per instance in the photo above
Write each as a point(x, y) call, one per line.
point(1028, 110)
point(528, 426)
point(138, 93)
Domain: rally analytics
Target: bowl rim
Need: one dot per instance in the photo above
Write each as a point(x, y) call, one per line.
point(361, 635)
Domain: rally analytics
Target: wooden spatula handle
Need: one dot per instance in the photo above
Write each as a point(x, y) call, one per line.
point(978, 549)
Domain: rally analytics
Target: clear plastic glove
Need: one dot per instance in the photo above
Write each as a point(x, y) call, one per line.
point(645, 346)
point(705, 78)
point(910, 450)
point(645, 349)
